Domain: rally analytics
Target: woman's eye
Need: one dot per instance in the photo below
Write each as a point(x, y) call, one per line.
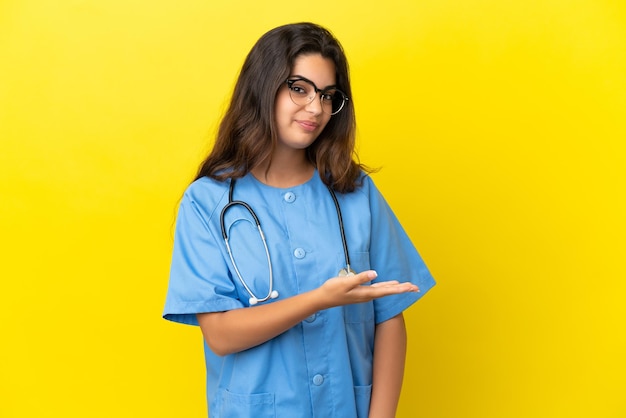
point(328, 96)
point(299, 90)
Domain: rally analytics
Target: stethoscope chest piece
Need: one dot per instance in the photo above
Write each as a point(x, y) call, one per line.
point(346, 272)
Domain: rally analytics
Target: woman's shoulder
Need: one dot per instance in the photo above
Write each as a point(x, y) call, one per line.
point(365, 183)
point(206, 192)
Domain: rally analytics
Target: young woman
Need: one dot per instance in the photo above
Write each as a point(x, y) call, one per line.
point(285, 253)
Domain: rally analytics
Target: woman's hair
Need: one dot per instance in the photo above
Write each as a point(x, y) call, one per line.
point(247, 134)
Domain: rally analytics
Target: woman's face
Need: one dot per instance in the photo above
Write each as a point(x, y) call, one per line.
point(300, 125)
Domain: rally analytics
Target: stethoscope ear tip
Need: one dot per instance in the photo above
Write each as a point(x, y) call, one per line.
point(253, 301)
point(274, 294)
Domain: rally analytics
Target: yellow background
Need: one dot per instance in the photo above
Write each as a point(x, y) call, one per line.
point(500, 128)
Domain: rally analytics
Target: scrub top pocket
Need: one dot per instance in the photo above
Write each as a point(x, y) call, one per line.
point(235, 405)
point(362, 395)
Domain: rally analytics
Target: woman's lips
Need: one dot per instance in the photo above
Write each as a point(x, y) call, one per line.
point(308, 125)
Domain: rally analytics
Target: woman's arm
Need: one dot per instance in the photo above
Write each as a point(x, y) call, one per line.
point(389, 356)
point(239, 329)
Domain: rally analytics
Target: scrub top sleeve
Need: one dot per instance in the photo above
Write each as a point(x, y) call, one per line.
point(394, 257)
point(199, 277)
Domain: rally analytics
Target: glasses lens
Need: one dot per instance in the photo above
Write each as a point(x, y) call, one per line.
point(333, 101)
point(303, 92)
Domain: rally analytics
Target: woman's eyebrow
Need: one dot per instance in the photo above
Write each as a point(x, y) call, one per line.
point(306, 79)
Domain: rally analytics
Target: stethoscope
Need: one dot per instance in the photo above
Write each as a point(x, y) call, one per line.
point(271, 293)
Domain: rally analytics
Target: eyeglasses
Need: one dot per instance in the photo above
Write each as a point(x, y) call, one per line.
point(303, 91)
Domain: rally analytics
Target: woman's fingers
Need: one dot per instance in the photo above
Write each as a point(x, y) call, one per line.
point(391, 288)
point(354, 289)
point(364, 276)
point(388, 287)
point(387, 283)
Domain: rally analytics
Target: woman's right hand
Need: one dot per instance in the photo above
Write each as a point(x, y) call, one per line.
point(346, 290)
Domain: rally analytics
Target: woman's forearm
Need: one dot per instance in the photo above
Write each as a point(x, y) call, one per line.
point(389, 357)
point(239, 329)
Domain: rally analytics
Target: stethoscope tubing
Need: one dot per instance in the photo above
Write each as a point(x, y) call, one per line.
point(344, 242)
point(271, 292)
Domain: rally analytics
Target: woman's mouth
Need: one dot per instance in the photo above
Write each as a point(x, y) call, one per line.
point(307, 125)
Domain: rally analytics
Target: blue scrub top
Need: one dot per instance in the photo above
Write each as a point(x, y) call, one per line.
point(322, 367)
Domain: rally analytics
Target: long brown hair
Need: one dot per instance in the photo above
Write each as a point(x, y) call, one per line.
point(247, 133)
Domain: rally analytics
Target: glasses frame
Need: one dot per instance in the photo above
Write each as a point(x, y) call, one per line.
point(318, 92)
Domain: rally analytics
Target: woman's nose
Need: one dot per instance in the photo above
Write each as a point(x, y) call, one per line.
point(315, 106)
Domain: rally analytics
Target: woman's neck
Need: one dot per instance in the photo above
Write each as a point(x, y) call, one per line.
point(284, 172)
